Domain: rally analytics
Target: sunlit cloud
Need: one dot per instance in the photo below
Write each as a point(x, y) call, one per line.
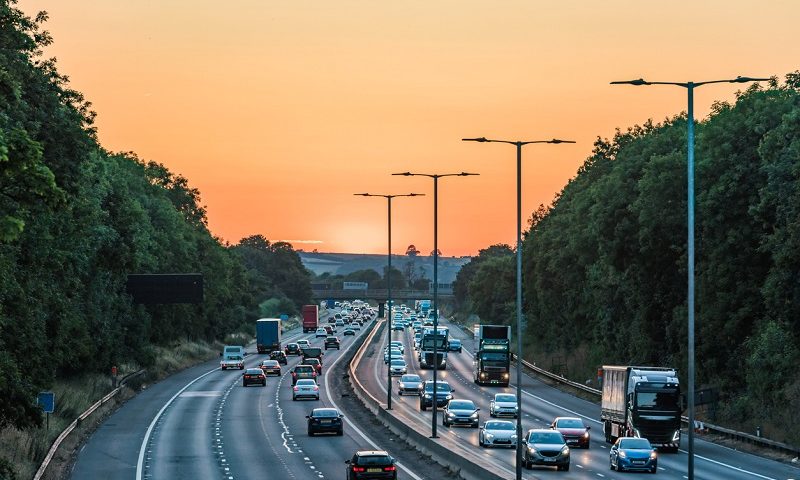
point(302, 241)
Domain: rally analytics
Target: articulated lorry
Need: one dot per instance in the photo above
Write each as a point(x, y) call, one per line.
point(493, 358)
point(433, 340)
point(310, 318)
point(642, 402)
point(268, 335)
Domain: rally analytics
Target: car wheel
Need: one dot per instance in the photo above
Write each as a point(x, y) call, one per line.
point(264, 383)
point(563, 468)
point(310, 433)
point(340, 433)
point(527, 464)
point(244, 384)
point(294, 399)
point(444, 422)
point(491, 414)
point(653, 470)
point(480, 442)
point(422, 407)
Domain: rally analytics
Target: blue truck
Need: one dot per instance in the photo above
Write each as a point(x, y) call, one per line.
point(268, 335)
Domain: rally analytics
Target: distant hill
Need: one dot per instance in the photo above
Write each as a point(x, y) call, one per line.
point(344, 263)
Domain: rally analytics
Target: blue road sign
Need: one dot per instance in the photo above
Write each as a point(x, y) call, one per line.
point(284, 317)
point(47, 400)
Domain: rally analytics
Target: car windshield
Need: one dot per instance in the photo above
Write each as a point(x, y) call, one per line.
point(635, 443)
point(657, 401)
point(569, 423)
point(306, 382)
point(455, 342)
point(303, 368)
point(410, 378)
point(325, 412)
point(270, 363)
point(505, 398)
point(373, 460)
point(253, 371)
point(398, 363)
point(499, 426)
point(311, 361)
point(441, 387)
point(545, 437)
point(461, 405)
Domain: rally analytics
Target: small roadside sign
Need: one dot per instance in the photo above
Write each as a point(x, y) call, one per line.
point(47, 400)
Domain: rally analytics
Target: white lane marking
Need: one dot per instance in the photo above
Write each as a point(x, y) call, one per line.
point(356, 429)
point(140, 461)
point(211, 393)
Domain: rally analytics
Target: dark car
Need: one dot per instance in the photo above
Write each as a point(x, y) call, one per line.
point(460, 412)
point(443, 394)
point(349, 331)
point(324, 420)
point(302, 372)
point(331, 342)
point(270, 367)
point(292, 349)
point(629, 453)
point(454, 345)
point(279, 356)
point(371, 464)
point(314, 362)
point(573, 430)
point(545, 447)
point(254, 376)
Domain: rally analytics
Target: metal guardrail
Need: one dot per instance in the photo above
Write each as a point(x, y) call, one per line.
point(75, 423)
point(706, 427)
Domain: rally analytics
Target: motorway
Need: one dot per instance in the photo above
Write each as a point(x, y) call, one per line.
point(542, 403)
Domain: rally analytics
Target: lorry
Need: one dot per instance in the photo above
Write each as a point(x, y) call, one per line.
point(433, 340)
point(268, 335)
point(310, 318)
point(424, 306)
point(642, 402)
point(493, 356)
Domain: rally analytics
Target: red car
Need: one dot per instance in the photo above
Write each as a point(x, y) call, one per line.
point(575, 433)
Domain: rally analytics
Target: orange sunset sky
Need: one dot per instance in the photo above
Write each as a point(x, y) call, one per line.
point(278, 111)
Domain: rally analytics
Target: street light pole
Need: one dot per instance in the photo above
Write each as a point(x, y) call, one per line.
point(389, 290)
point(435, 178)
point(518, 145)
point(690, 86)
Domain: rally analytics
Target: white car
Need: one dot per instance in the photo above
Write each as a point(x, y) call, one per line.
point(321, 332)
point(398, 367)
point(304, 343)
point(305, 388)
point(391, 355)
point(503, 405)
point(497, 433)
point(409, 383)
point(397, 346)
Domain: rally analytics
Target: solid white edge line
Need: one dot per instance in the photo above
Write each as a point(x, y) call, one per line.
point(347, 420)
point(149, 431)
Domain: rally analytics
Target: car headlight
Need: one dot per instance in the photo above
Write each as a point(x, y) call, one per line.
point(565, 450)
point(450, 415)
point(474, 415)
point(428, 395)
point(653, 455)
point(514, 436)
point(585, 434)
point(532, 450)
point(622, 454)
point(449, 397)
point(489, 436)
point(505, 376)
point(676, 436)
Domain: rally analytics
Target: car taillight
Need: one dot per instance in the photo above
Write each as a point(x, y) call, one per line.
point(294, 374)
point(296, 389)
point(316, 388)
point(389, 468)
point(359, 469)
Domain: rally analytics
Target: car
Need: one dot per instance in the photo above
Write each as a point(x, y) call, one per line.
point(354, 326)
point(633, 454)
point(329, 330)
point(461, 412)
point(398, 367)
point(254, 376)
point(230, 350)
point(573, 429)
point(392, 355)
point(398, 325)
point(321, 332)
point(397, 345)
point(409, 383)
point(349, 331)
point(503, 405)
point(454, 345)
point(305, 388)
point(303, 344)
point(292, 349)
point(232, 361)
point(325, 420)
point(545, 447)
point(443, 394)
point(301, 372)
point(417, 339)
point(270, 367)
point(498, 433)
point(278, 356)
point(331, 342)
point(371, 464)
point(340, 323)
point(314, 362)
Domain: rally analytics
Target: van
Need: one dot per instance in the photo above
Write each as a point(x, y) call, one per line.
point(233, 350)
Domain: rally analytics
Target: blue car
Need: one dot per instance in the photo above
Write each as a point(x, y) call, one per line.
point(454, 345)
point(633, 454)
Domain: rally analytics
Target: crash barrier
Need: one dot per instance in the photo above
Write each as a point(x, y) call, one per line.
point(75, 423)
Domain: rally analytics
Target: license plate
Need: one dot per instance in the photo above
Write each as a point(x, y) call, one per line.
point(326, 421)
point(549, 459)
point(373, 470)
point(638, 462)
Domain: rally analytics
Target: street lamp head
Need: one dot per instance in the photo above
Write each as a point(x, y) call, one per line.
point(556, 140)
point(636, 82)
point(361, 194)
point(479, 139)
point(741, 79)
point(416, 195)
point(405, 174)
point(467, 174)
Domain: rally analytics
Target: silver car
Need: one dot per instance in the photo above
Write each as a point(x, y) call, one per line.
point(305, 388)
point(498, 433)
point(398, 367)
point(409, 384)
point(503, 405)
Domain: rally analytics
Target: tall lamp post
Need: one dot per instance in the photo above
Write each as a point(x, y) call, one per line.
point(389, 289)
point(519, 145)
point(690, 86)
point(435, 178)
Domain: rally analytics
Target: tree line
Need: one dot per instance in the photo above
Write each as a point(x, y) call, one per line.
point(76, 219)
point(604, 266)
